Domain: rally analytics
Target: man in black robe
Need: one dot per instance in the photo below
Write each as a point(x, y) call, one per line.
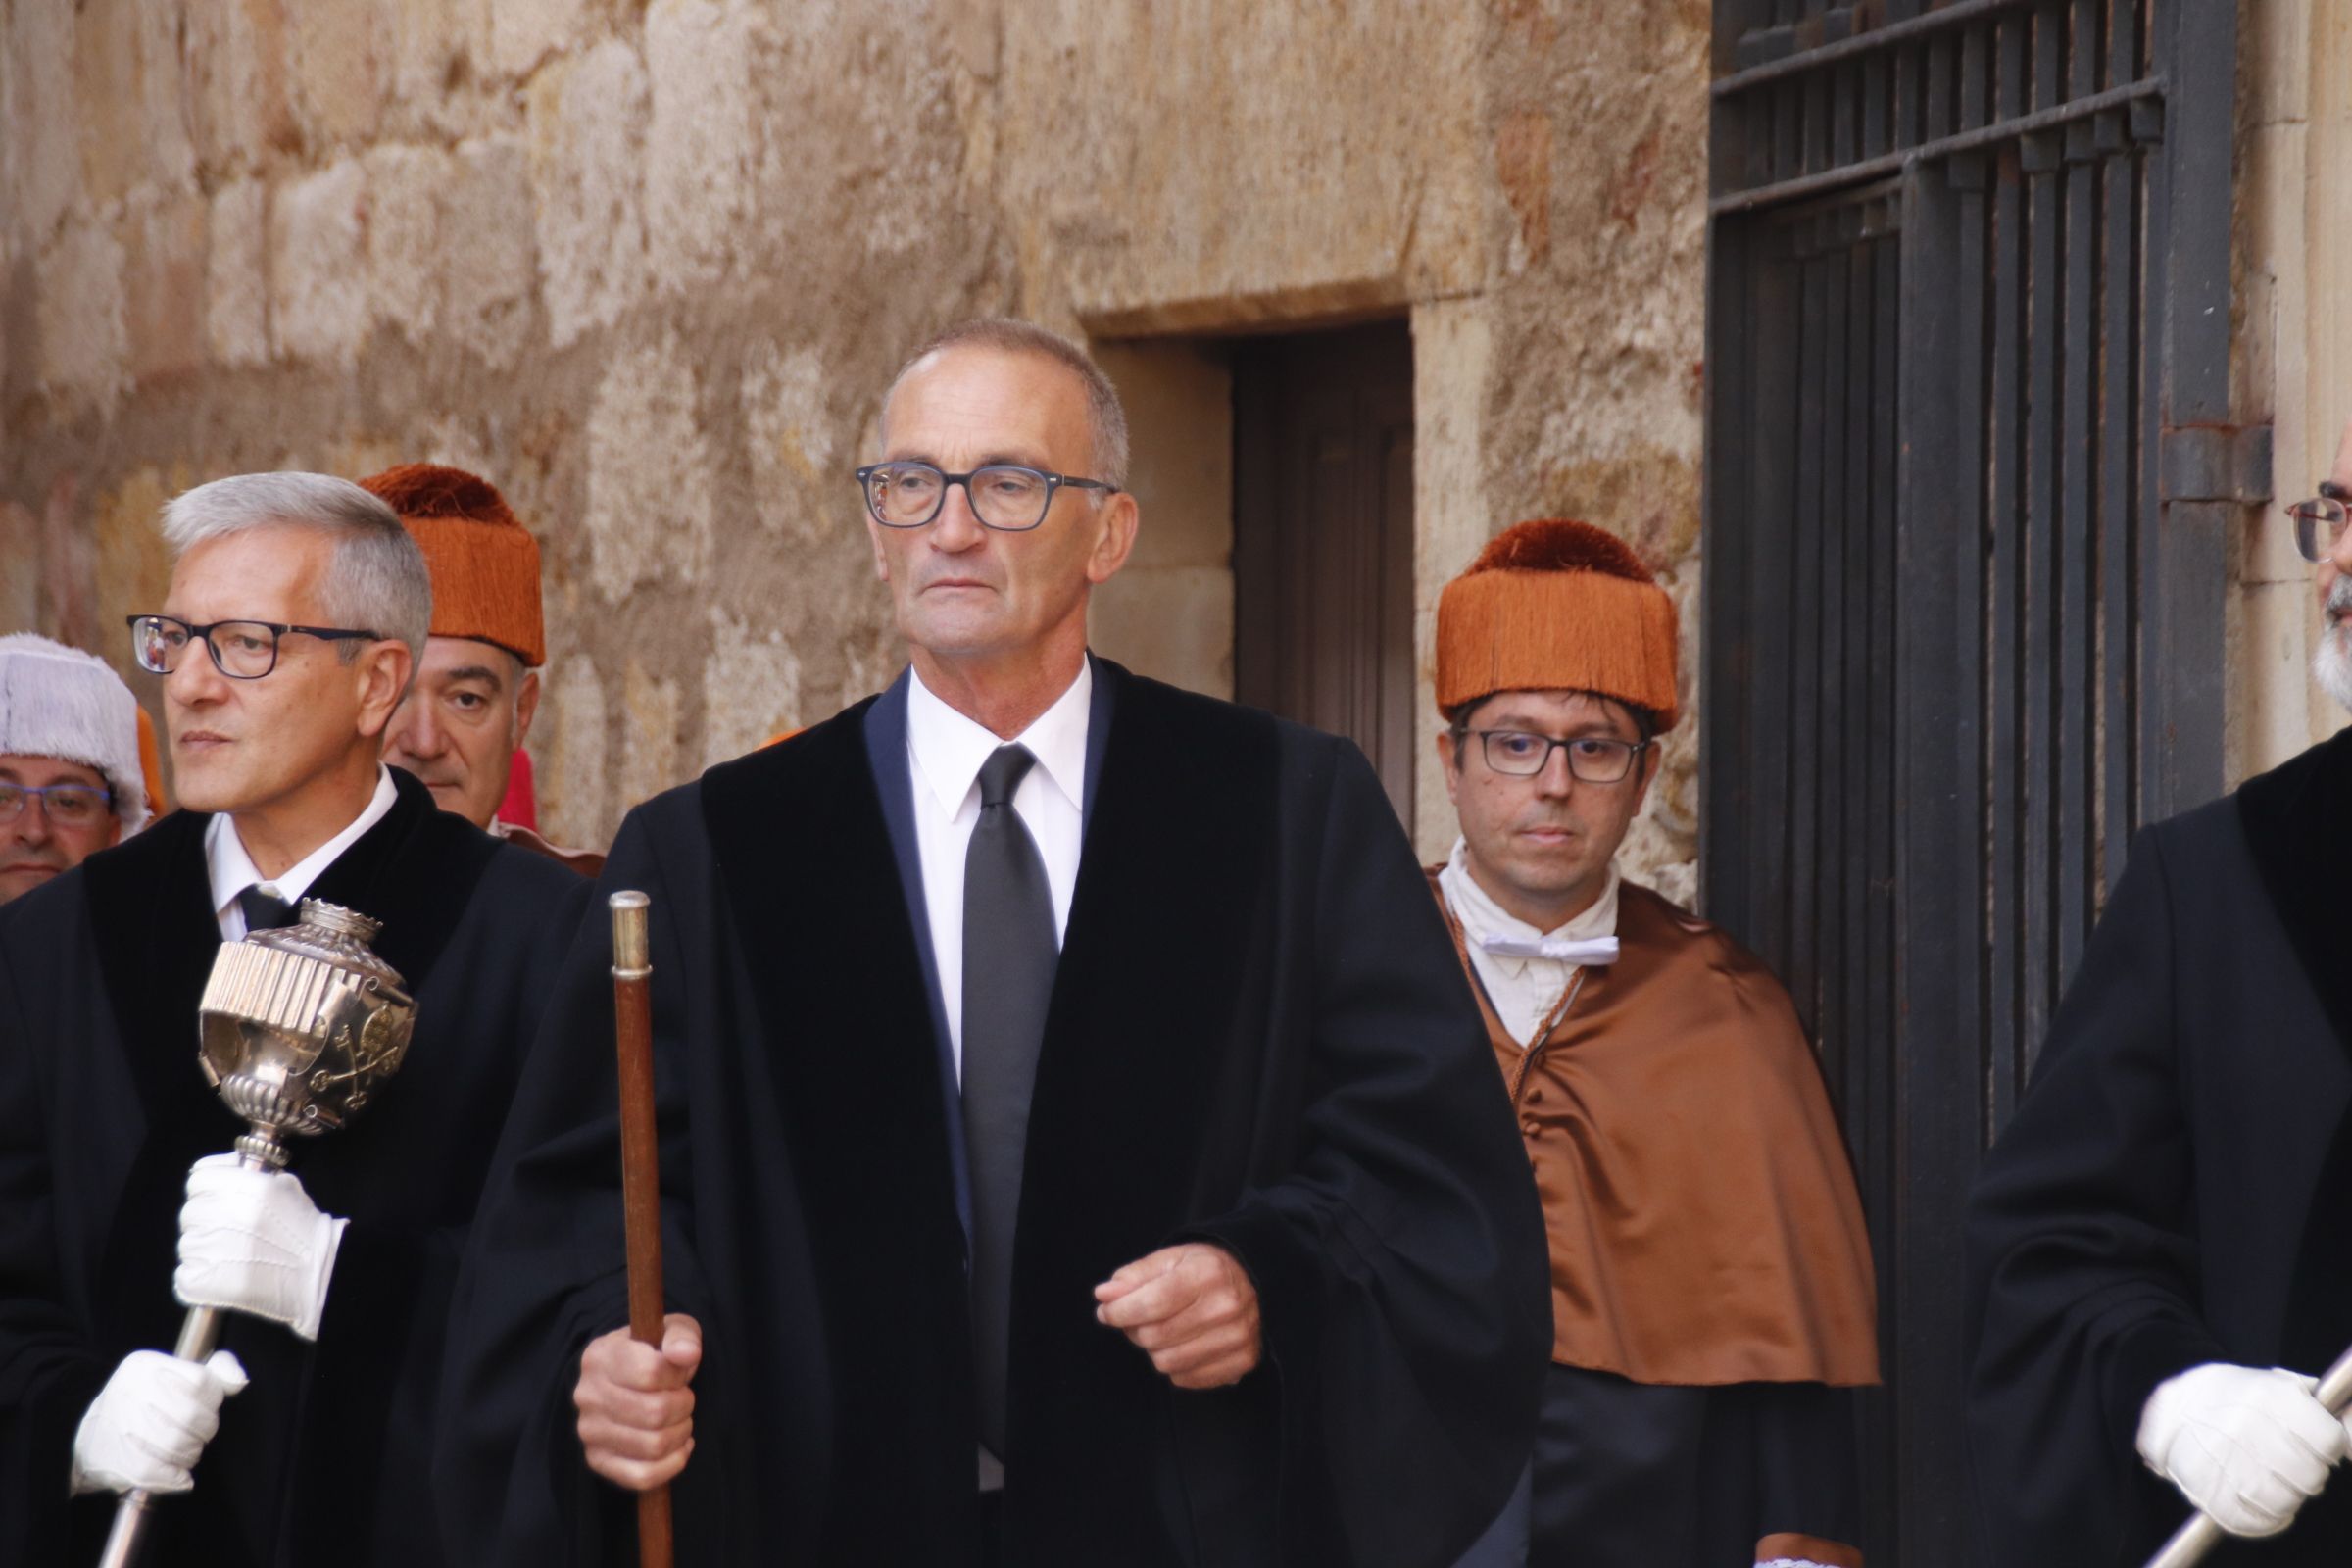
point(290, 628)
point(2161, 1241)
point(1159, 977)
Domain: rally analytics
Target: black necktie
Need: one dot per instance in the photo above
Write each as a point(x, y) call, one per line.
point(264, 910)
point(1009, 951)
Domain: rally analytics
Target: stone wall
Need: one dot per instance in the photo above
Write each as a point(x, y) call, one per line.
point(648, 266)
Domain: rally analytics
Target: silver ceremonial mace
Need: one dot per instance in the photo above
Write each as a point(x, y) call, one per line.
point(298, 1029)
point(2193, 1540)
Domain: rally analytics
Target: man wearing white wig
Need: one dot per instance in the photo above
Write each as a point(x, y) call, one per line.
point(71, 783)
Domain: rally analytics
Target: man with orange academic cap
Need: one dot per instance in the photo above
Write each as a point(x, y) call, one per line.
point(1712, 1302)
point(461, 725)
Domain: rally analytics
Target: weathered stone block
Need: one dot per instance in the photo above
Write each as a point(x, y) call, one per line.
point(84, 342)
point(524, 32)
point(165, 291)
point(236, 56)
point(237, 274)
point(702, 143)
point(649, 473)
point(649, 737)
point(587, 128)
point(335, 47)
point(405, 240)
point(790, 423)
point(41, 155)
point(751, 688)
point(569, 734)
point(487, 250)
point(318, 262)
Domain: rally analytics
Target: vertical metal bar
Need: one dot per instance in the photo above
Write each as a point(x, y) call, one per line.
point(1829, 1031)
point(2121, 409)
point(1802, 973)
point(2076, 599)
point(1771, 525)
point(2002, 763)
point(1728, 519)
point(1938, 873)
point(2042, 521)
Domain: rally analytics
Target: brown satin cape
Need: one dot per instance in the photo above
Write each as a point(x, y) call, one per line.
point(1700, 1207)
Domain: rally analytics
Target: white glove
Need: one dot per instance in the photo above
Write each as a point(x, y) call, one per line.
point(151, 1421)
point(2245, 1446)
point(252, 1240)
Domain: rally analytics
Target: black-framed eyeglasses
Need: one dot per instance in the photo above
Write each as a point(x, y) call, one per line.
point(1592, 758)
point(65, 805)
point(242, 650)
point(2320, 522)
point(1004, 496)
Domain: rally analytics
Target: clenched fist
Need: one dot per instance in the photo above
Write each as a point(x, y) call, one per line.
point(1192, 1308)
point(636, 1410)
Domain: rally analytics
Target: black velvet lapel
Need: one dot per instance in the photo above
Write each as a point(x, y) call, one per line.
point(1142, 1055)
point(2294, 824)
point(805, 863)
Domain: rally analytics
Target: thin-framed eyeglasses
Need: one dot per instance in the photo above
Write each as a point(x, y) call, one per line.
point(242, 650)
point(1004, 496)
point(65, 805)
point(1592, 758)
point(2320, 522)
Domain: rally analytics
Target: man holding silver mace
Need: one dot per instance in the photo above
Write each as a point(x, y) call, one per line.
point(1078, 1142)
point(293, 618)
point(2161, 1241)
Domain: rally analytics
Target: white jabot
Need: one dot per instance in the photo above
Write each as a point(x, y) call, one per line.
point(944, 754)
point(1526, 971)
point(234, 872)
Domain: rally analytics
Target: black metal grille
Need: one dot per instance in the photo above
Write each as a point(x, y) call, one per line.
point(1969, 478)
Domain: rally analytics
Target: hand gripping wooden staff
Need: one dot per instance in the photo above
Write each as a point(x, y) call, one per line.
point(640, 1169)
point(2193, 1540)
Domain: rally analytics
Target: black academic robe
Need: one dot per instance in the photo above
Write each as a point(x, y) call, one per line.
point(1259, 1037)
point(103, 1109)
point(2177, 1185)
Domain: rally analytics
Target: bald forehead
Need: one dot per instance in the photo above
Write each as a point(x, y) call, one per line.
point(1049, 379)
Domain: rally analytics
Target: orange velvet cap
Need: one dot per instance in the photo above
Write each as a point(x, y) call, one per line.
point(484, 563)
point(1557, 606)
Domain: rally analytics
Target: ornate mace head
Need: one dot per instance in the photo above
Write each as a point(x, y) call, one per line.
point(302, 1026)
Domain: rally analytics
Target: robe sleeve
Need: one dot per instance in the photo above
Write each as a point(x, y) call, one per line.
point(544, 1269)
point(1401, 1263)
point(2083, 1257)
point(48, 1372)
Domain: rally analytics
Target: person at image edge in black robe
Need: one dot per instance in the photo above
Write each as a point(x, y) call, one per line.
point(2175, 1188)
point(321, 1459)
point(1258, 1037)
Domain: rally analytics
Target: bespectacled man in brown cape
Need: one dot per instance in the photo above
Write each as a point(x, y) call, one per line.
point(1080, 1144)
point(1711, 1294)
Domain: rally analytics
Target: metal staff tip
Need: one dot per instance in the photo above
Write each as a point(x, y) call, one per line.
point(632, 945)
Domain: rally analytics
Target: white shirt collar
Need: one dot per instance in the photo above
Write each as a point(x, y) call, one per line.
point(948, 748)
point(234, 872)
point(1482, 916)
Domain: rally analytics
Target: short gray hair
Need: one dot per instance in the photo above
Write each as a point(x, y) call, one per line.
point(1104, 410)
point(375, 579)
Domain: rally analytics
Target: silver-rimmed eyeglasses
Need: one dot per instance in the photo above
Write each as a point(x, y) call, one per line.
point(2320, 522)
point(242, 650)
point(1592, 758)
point(1004, 496)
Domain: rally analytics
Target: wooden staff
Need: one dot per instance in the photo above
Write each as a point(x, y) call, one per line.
point(640, 1169)
point(2193, 1540)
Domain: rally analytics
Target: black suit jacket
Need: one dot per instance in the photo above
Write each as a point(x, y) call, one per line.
point(1259, 1037)
point(2177, 1185)
point(103, 1109)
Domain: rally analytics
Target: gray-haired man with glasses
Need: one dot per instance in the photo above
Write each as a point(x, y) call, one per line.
point(1081, 1146)
point(2158, 1245)
point(289, 629)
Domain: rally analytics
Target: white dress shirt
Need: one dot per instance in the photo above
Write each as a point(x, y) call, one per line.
point(1523, 990)
point(945, 751)
point(234, 872)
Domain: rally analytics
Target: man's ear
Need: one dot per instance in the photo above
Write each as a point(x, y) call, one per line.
point(382, 671)
point(1447, 761)
point(526, 705)
point(1120, 519)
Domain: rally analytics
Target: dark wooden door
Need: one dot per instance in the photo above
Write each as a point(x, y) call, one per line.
point(1969, 485)
point(1323, 538)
